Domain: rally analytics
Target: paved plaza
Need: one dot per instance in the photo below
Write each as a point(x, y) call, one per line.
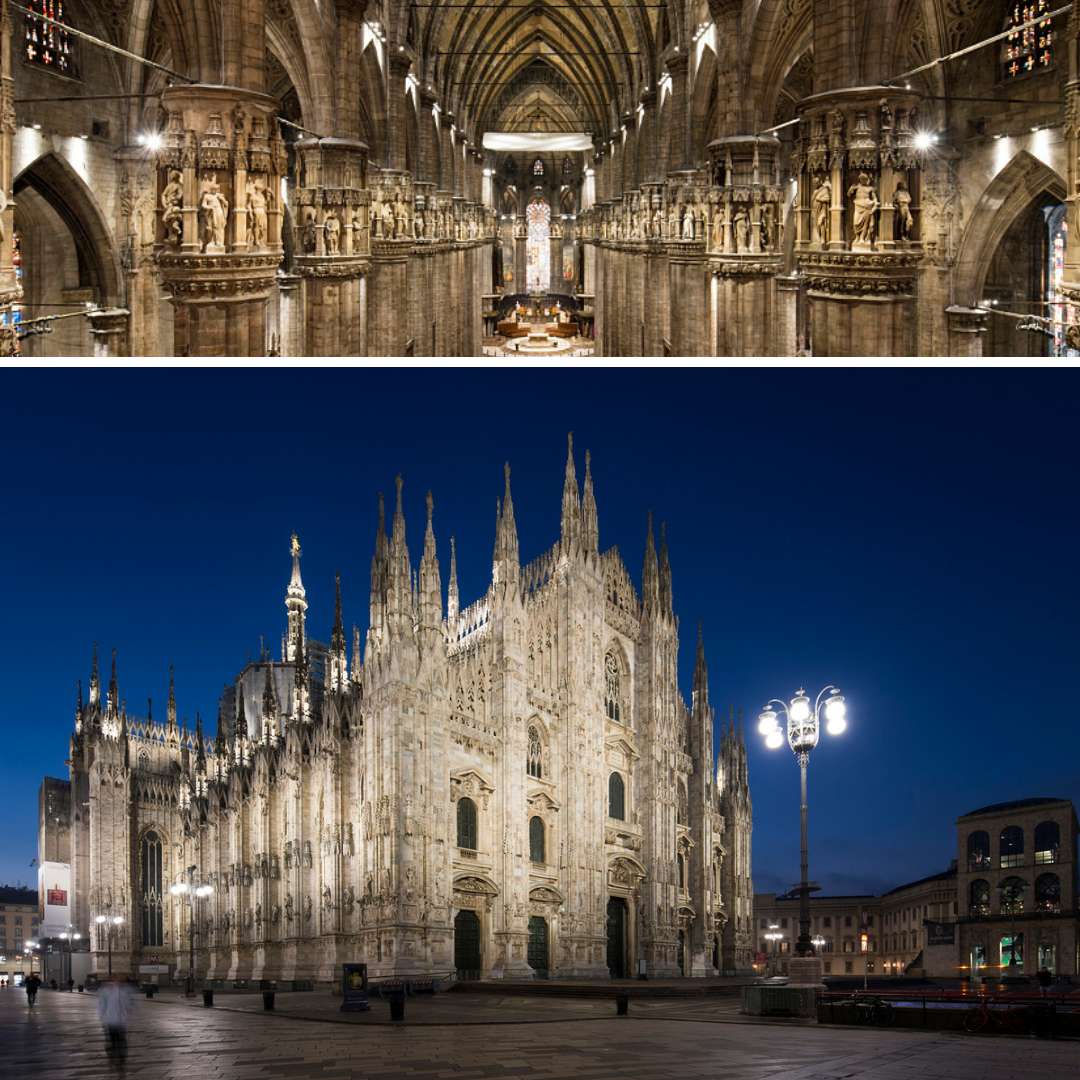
point(463, 1037)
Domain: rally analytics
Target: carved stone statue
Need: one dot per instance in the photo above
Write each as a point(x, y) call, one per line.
point(767, 238)
point(214, 212)
point(333, 234)
point(741, 221)
point(388, 221)
point(307, 241)
point(865, 204)
point(258, 199)
point(688, 223)
point(822, 202)
point(172, 199)
point(902, 201)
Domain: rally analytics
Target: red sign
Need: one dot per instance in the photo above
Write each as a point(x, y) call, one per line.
point(759, 958)
point(56, 897)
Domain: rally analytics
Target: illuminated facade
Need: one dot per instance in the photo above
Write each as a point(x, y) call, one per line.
point(514, 788)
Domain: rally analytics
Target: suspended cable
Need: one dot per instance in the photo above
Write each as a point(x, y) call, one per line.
point(104, 44)
point(979, 44)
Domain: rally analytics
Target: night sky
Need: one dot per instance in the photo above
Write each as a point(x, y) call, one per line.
point(909, 535)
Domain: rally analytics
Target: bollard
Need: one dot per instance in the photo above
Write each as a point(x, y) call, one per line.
point(268, 1000)
point(622, 1004)
point(208, 997)
point(397, 1006)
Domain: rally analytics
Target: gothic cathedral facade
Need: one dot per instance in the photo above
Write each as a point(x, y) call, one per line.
point(511, 789)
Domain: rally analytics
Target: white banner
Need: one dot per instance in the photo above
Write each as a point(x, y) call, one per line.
point(536, 142)
point(54, 898)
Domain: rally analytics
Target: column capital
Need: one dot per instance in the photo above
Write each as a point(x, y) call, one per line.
point(677, 63)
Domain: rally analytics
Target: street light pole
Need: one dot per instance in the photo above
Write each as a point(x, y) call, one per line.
point(188, 888)
point(70, 936)
point(774, 936)
point(803, 730)
point(108, 920)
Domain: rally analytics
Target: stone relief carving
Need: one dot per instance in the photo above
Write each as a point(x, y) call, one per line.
point(213, 214)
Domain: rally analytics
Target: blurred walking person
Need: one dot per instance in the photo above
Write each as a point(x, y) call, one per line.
point(32, 985)
point(114, 1004)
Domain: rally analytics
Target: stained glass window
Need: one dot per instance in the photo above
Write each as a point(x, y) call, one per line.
point(538, 168)
point(538, 245)
point(1028, 49)
point(47, 44)
point(567, 166)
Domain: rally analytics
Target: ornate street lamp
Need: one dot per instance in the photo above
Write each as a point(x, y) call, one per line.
point(774, 936)
point(70, 936)
point(30, 953)
point(192, 892)
point(803, 729)
point(110, 922)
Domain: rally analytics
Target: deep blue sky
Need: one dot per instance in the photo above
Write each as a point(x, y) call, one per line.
point(909, 535)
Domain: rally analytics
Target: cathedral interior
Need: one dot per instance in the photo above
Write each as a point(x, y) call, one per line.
point(534, 179)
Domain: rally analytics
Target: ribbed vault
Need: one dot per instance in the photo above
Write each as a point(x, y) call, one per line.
point(545, 65)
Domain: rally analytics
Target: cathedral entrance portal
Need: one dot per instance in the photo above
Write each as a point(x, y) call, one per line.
point(538, 946)
point(616, 938)
point(467, 945)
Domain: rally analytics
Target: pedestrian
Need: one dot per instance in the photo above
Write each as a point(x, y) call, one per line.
point(32, 985)
point(71, 984)
point(1045, 978)
point(114, 1004)
point(52, 983)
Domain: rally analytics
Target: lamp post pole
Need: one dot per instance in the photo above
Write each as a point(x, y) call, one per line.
point(70, 936)
point(803, 731)
point(774, 936)
point(188, 887)
point(109, 921)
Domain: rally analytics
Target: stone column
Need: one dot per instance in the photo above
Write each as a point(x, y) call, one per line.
point(861, 244)
point(331, 204)
point(108, 331)
point(966, 327)
point(1069, 290)
point(746, 244)
point(649, 162)
point(428, 169)
point(396, 109)
point(392, 242)
point(291, 320)
point(10, 290)
point(222, 149)
point(521, 234)
point(556, 256)
point(448, 173)
point(677, 128)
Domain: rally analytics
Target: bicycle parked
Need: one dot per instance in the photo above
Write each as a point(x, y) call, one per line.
point(871, 1010)
point(1011, 1018)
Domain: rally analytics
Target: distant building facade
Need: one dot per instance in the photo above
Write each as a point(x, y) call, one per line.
point(18, 925)
point(1006, 907)
point(512, 789)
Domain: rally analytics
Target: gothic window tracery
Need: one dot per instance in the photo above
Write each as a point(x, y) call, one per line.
point(152, 930)
point(538, 167)
point(1029, 49)
point(47, 44)
point(611, 688)
point(538, 245)
point(534, 761)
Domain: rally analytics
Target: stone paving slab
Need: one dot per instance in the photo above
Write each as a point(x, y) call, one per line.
point(170, 1040)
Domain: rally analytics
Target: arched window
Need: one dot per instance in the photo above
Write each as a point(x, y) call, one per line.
point(152, 933)
point(1012, 895)
point(980, 897)
point(616, 797)
point(567, 166)
point(1047, 842)
point(1012, 846)
point(1048, 893)
point(1029, 49)
point(536, 839)
point(979, 851)
point(534, 760)
point(611, 687)
point(538, 245)
point(48, 45)
point(466, 824)
point(538, 167)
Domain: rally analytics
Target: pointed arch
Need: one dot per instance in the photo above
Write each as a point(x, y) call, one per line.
point(56, 181)
point(1007, 196)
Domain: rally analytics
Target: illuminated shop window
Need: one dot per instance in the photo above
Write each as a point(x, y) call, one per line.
point(47, 44)
point(1028, 49)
